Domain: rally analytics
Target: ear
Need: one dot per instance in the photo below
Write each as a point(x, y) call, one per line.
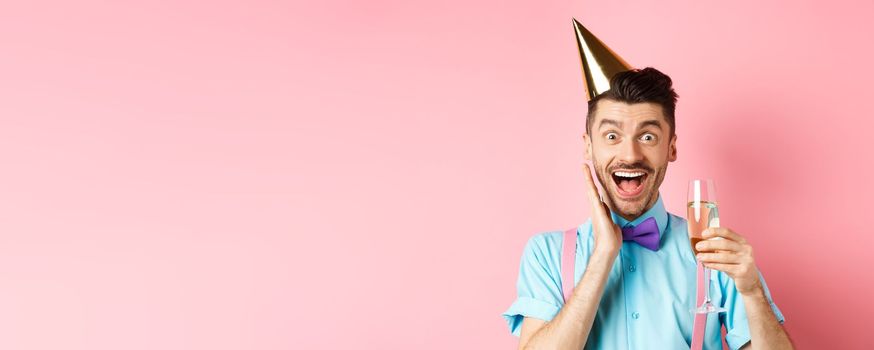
point(672, 149)
point(587, 143)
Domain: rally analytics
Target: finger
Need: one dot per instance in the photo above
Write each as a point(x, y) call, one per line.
point(721, 244)
point(722, 258)
point(594, 195)
point(727, 268)
point(724, 233)
point(604, 205)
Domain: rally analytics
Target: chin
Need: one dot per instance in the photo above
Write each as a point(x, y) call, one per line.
point(631, 207)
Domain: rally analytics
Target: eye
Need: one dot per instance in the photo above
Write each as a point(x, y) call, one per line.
point(611, 136)
point(648, 137)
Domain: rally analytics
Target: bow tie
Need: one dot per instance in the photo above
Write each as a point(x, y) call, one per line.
point(646, 234)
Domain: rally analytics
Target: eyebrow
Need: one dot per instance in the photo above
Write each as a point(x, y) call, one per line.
point(618, 124)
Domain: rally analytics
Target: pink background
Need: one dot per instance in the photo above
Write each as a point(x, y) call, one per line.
point(266, 175)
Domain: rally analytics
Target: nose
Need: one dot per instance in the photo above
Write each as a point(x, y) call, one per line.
point(630, 152)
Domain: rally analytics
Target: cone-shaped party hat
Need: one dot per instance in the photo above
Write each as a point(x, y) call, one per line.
point(599, 62)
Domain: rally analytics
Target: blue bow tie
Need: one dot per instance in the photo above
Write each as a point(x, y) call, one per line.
point(646, 234)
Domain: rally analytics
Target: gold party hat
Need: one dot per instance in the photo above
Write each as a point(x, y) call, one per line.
point(599, 62)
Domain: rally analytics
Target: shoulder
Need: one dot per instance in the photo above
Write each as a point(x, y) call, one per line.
point(546, 246)
point(542, 245)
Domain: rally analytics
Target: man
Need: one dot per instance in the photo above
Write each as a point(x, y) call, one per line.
point(628, 296)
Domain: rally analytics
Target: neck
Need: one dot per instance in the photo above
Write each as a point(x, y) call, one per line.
point(631, 218)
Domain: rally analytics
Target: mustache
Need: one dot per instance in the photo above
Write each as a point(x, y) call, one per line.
point(633, 166)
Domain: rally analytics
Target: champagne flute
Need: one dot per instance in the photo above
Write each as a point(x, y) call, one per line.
point(701, 214)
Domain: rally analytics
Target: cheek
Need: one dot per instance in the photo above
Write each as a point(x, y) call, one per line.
point(658, 157)
point(602, 153)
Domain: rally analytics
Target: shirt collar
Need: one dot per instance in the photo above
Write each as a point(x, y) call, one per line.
point(657, 211)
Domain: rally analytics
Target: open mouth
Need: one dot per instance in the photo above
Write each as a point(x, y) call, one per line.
point(629, 183)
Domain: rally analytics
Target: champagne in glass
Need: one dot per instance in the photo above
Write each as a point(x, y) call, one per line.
point(702, 213)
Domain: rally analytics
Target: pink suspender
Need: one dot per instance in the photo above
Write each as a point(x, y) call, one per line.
point(700, 319)
point(568, 254)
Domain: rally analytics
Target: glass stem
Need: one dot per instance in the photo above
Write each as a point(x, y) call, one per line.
point(706, 285)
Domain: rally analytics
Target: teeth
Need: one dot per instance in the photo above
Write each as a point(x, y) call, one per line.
point(628, 174)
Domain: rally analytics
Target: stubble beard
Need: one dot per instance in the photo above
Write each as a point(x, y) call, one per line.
point(625, 209)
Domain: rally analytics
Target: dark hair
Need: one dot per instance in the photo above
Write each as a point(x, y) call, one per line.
point(639, 86)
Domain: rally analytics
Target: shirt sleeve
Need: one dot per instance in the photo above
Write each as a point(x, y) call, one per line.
point(735, 319)
point(538, 287)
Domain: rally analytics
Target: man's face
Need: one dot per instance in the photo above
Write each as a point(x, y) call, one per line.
point(630, 150)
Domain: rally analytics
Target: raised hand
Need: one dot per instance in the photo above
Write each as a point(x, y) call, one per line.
point(732, 255)
point(608, 235)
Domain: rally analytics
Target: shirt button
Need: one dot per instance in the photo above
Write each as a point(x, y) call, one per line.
point(631, 268)
point(635, 315)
